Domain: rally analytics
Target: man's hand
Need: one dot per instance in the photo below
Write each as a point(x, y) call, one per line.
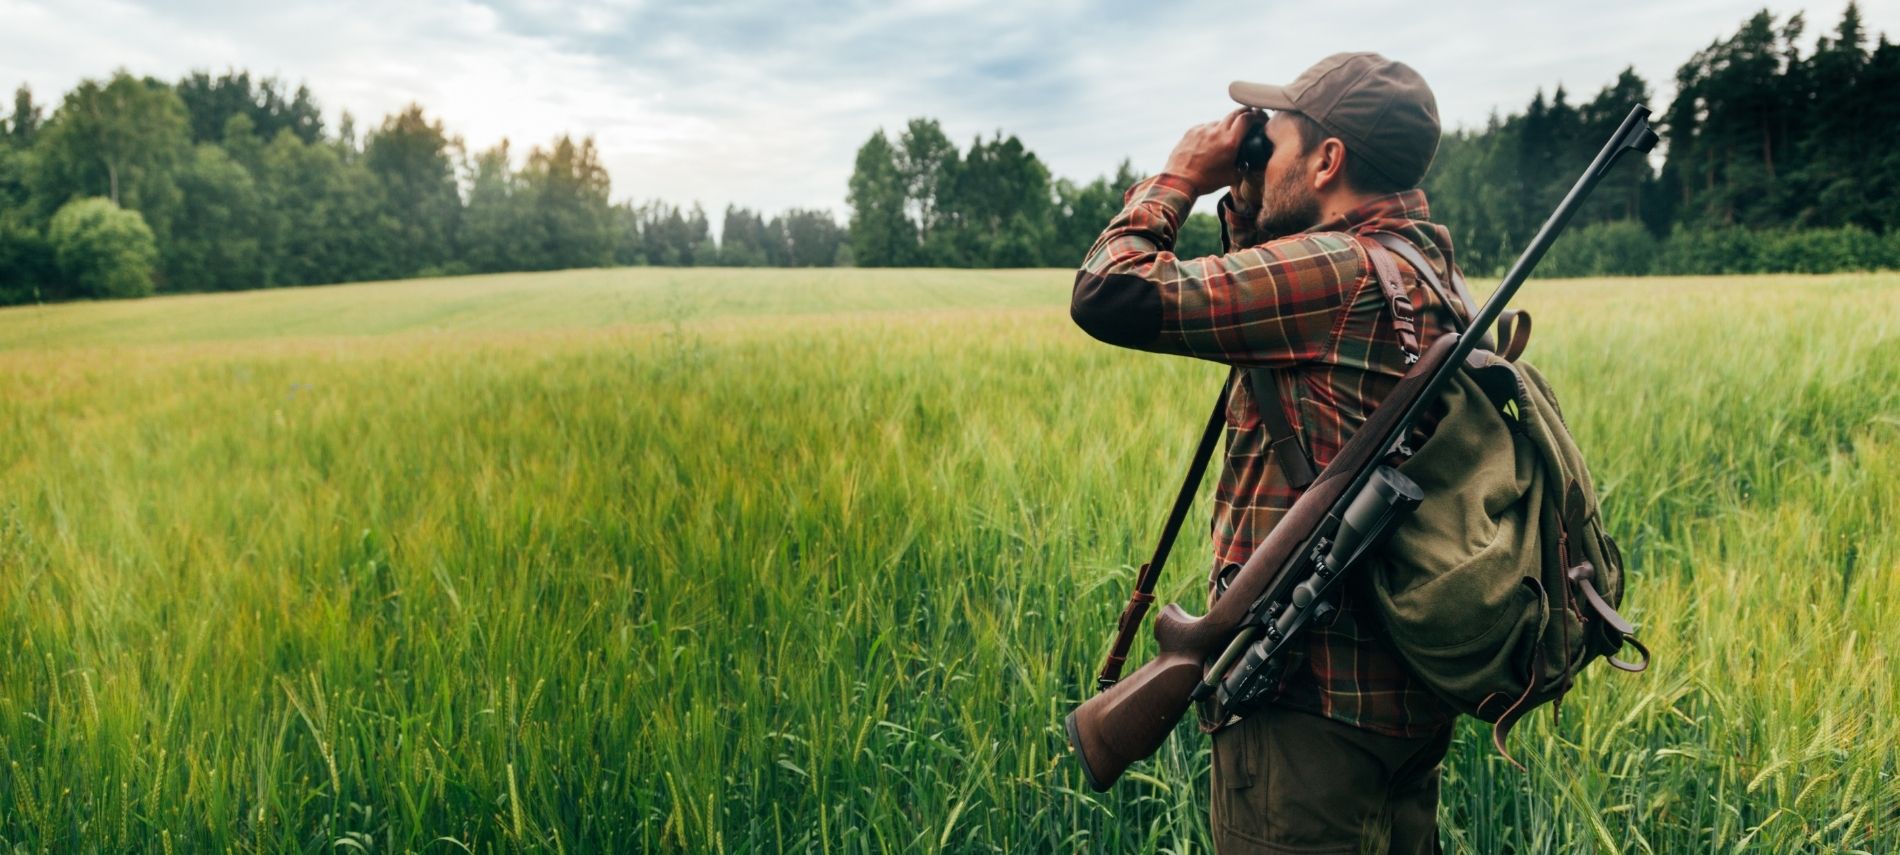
point(1205, 154)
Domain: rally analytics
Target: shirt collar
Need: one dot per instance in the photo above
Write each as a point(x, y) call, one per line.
point(1403, 205)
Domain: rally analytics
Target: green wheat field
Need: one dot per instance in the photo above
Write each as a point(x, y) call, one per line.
point(748, 561)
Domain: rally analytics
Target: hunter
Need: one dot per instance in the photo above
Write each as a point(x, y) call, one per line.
point(1345, 757)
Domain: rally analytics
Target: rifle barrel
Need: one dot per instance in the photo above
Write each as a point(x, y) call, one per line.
point(1634, 134)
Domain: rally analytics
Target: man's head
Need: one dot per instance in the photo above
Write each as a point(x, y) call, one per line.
point(1354, 126)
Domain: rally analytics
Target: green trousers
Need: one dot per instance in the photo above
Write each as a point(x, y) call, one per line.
point(1293, 782)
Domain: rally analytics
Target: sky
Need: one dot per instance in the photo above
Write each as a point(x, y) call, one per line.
point(764, 104)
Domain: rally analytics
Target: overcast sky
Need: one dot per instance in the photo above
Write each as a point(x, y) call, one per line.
point(763, 104)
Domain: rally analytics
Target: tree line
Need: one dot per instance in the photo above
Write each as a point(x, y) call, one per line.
point(918, 201)
point(1776, 161)
point(1778, 158)
point(134, 185)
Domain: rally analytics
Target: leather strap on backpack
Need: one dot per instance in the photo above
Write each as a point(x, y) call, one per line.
point(1403, 315)
point(1514, 325)
point(1144, 595)
point(1460, 310)
point(1514, 329)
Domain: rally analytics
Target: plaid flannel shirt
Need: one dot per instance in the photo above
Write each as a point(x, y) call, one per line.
point(1309, 306)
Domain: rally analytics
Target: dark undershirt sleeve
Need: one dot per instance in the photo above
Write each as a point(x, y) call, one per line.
point(1118, 308)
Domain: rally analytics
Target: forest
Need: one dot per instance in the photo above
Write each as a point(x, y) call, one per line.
point(1777, 158)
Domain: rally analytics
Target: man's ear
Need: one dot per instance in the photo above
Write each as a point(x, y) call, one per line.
point(1331, 171)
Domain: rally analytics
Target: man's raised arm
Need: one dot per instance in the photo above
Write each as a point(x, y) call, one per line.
point(1275, 304)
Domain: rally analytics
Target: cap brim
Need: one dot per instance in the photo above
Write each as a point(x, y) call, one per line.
point(1266, 96)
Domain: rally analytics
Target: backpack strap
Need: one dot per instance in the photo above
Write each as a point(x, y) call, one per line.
point(1281, 438)
point(1503, 720)
point(1581, 575)
point(1514, 329)
point(1501, 729)
point(1514, 325)
point(1403, 317)
point(1618, 628)
point(1458, 285)
point(1460, 310)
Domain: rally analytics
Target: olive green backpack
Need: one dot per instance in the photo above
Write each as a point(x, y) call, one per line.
point(1502, 585)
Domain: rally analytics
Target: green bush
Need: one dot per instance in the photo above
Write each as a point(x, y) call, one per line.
point(1707, 251)
point(26, 264)
point(457, 267)
point(1200, 236)
point(1620, 248)
point(1821, 250)
point(103, 250)
point(1738, 250)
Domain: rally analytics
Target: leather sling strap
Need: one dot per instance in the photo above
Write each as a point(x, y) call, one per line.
point(1281, 437)
point(1461, 310)
point(1403, 316)
point(1144, 595)
point(1514, 325)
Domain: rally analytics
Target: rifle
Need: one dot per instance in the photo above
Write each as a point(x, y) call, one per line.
point(1343, 516)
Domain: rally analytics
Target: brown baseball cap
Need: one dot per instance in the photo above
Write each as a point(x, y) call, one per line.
point(1382, 110)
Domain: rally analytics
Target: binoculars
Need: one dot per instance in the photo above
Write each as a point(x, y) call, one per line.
point(1254, 147)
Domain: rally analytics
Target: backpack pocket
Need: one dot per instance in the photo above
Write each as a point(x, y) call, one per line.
point(1459, 586)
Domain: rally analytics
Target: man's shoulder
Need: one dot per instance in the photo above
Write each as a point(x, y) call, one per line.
point(1311, 263)
point(1337, 248)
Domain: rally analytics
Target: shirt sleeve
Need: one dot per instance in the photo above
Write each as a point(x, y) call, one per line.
point(1277, 304)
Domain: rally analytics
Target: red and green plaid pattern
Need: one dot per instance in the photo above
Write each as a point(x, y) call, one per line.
point(1308, 305)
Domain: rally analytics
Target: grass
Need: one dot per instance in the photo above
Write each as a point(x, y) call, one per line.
point(750, 561)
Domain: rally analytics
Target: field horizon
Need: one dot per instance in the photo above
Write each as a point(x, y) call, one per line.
point(595, 297)
point(723, 559)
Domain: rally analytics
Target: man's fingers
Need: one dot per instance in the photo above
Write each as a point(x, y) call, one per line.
point(1235, 128)
point(1205, 154)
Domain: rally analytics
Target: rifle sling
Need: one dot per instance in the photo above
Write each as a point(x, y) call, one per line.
point(1143, 596)
point(1461, 310)
point(1281, 437)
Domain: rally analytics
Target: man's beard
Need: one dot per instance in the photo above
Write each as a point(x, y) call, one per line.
point(1288, 207)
